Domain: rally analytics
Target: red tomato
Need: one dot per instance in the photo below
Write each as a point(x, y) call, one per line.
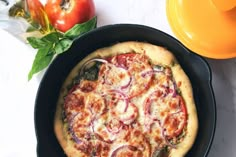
point(64, 14)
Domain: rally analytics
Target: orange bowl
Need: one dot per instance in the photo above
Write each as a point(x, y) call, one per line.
point(205, 26)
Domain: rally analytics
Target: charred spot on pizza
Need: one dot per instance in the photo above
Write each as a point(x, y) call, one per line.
point(87, 86)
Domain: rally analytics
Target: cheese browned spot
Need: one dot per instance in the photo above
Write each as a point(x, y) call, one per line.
point(137, 104)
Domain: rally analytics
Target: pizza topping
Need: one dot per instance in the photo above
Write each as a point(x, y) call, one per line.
point(168, 143)
point(79, 127)
point(139, 140)
point(114, 126)
point(73, 104)
point(95, 104)
point(87, 86)
point(131, 102)
point(174, 123)
point(100, 130)
point(126, 150)
point(82, 69)
point(135, 65)
point(116, 97)
point(154, 70)
point(123, 60)
point(114, 77)
point(101, 149)
point(160, 152)
point(127, 116)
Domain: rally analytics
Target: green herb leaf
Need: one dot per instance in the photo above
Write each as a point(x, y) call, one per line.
point(52, 37)
point(55, 43)
point(36, 42)
point(41, 61)
point(79, 29)
point(63, 45)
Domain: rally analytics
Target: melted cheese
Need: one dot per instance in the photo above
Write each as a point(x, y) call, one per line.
point(127, 109)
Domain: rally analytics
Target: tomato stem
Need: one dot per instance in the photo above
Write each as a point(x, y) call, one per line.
point(65, 4)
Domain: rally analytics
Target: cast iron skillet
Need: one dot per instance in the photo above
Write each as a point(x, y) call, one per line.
point(195, 67)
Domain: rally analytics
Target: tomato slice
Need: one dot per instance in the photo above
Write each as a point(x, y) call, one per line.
point(136, 65)
point(87, 86)
point(80, 130)
point(168, 109)
point(123, 60)
point(96, 104)
point(78, 101)
point(73, 104)
point(106, 128)
point(174, 123)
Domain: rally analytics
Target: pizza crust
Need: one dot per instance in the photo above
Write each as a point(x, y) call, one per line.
point(159, 56)
point(192, 123)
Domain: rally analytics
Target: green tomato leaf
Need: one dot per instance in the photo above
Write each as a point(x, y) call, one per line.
point(79, 29)
point(36, 42)
point(41, 60)
point(63, 45)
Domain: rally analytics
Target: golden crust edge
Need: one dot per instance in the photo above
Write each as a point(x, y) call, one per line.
point(192, 127)
point(61, 136)
point(165, 57)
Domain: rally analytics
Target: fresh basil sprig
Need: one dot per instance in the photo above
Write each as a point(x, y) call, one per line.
point(55, 43)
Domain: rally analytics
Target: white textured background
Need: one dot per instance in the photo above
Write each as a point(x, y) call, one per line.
point(17, 136)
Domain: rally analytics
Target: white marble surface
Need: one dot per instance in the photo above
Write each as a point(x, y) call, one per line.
point(17, 137)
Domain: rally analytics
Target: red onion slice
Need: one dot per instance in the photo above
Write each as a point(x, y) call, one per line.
point(124, 148)
point(115, 91)
point(83, 126)
point(152, 71)
point(148, 122)
point(166, 139)
point(75, 138)
point(71, 130)
point(130, 114)
point(127, 85)
point(150, 99)
point(106, 128)
point(121, 96)
point(147, 73)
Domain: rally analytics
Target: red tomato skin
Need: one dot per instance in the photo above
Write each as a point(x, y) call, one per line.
point(79, 11)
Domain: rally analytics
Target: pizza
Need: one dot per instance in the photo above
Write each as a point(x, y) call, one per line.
point(131, 99)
